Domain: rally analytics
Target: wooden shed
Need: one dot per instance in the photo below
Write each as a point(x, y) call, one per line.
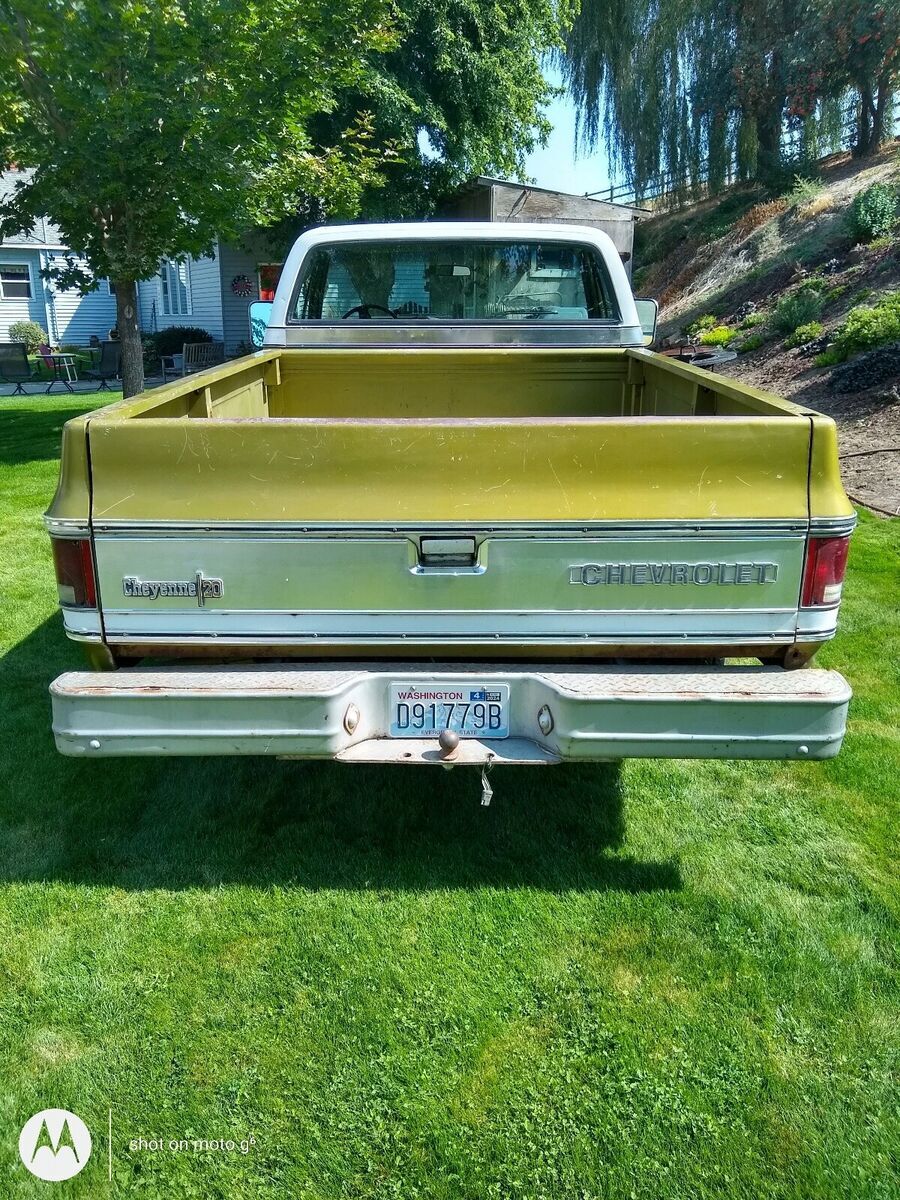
point(486, 199)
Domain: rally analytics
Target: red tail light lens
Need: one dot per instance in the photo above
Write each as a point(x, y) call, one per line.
point(826, 565)
point(74, 572)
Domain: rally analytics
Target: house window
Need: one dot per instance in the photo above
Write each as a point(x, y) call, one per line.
point(110, 287)
point(15, 281)
point(174, 288)
point(268, 275)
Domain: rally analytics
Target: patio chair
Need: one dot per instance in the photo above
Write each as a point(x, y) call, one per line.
point(195, 356)
point(109, 365)
point(61, 367)
point(15, 367)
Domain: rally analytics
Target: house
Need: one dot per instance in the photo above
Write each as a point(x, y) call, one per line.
point(487, 199)
point(65, 314)
point(212, 293)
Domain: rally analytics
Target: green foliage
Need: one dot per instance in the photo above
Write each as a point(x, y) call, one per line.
point(798, 308)
point(753, 319)
point(674, 116)
point(719, 335)
point(751, 343)
point(701, 325)
point(874, 212)
point(158, 126)
point(805, 333)
point(460, 93)
point(29, 332)
point(870, 326)
point(835, 293)
point(171, 340)
point(803, 190)
point(828, 358)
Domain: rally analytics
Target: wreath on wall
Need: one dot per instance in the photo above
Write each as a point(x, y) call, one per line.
point(241, 285)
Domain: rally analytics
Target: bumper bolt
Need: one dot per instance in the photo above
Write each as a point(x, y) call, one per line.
point(351, 718)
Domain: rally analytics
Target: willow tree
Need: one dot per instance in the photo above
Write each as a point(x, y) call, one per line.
point(153, 126)
point(684, 89)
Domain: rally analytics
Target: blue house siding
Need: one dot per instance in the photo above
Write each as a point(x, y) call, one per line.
point(237, 261)
point(22, 309)
point(75, 318)
point(204, 300)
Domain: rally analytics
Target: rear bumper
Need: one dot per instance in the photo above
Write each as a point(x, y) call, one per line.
point(340, 711)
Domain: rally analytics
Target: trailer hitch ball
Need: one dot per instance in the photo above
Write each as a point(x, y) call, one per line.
point(448, 741)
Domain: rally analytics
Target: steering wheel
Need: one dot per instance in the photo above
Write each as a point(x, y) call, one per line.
point(365, 311)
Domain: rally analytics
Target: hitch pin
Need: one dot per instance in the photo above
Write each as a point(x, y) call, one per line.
point(486, 790)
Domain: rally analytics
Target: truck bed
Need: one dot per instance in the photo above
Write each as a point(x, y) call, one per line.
point(452, 501)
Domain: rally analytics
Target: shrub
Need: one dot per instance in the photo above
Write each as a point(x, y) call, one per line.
point(867, 327)
point(803, 191)
point(799, 308)
point(873, 212)
point(835, 293)
point(754, 319)
point(828, 358)
point(822, 203)
point(805, 333)
point(172, 340)
point(28, 332)
point(753, 342)
point(719, 335)
point(707, 321)
point(759, 214)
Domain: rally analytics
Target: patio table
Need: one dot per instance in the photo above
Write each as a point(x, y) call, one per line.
point(60, 363)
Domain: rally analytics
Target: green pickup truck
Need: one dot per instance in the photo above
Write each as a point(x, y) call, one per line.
point(453, 511)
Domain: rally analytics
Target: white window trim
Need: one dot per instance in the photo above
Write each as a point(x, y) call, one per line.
point(31, 288)
point(165, 310)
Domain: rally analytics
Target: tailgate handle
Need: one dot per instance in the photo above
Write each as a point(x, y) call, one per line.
point(447, 552)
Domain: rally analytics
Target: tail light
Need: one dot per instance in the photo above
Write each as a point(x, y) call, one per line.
point(826, 565)
point(74, 565)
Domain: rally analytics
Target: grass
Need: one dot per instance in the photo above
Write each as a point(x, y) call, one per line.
point(668, 980)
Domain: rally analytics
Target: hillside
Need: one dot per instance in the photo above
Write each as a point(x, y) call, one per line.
point(746, 269)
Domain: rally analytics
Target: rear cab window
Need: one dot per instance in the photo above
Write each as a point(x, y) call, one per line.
point(458, 280)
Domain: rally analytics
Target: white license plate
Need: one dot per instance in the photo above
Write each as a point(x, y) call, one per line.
point(473, 710)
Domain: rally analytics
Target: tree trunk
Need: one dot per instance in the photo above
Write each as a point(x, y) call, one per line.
point(718, 152)
point(768, 161)
point(129, 337)
point(872, 123)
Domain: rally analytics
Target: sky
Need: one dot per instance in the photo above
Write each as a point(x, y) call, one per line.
point(556, 166)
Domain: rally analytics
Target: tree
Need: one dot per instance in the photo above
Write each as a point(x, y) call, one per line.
point(155, 125)
point(686, 88)
point(858, 46)
point(460, 93)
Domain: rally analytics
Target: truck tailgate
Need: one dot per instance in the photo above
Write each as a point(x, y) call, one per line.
point(628, 530)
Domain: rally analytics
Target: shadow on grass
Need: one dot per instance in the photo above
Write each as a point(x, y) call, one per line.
point(30, 434)
point(179, 823)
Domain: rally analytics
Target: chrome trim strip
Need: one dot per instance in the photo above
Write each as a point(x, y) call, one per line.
point(58, 527)
point(387, 640)
point(681, 527)
point(82, 621)
point(390, 335)
point(832, 526)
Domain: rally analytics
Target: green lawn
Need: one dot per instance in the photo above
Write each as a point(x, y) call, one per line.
point(666, 980)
